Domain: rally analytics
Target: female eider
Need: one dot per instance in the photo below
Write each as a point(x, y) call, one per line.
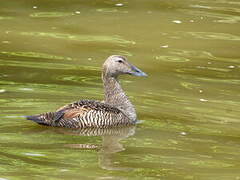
point(115, 110)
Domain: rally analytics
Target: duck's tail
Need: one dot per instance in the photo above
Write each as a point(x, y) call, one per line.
point(47, 119)
point(36, 119)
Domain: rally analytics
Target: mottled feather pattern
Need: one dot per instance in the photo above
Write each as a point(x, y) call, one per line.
point(115, 110)
point(85, 113)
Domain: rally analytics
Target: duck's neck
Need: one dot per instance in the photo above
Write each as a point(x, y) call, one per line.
point(115, 96)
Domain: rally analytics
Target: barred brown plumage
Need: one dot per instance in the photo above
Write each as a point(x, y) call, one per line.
point(115, 110)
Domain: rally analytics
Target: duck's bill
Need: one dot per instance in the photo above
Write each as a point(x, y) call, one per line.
point(137, 72)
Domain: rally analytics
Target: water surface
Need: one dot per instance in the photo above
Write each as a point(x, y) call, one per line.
point(51, 54)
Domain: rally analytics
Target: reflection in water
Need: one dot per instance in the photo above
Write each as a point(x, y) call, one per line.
point(111, 138)
point(190, 102)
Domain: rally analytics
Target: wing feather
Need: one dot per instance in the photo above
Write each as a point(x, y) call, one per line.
point(84, 113)
point(72, 113)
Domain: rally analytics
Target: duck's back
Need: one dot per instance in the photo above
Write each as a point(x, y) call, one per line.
point(84, 113)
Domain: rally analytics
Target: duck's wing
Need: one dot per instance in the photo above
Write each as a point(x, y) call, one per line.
point(85, 103)
point(84, 113)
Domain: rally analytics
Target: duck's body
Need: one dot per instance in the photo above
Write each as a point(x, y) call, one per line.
point(84, 113)
point(115, 110)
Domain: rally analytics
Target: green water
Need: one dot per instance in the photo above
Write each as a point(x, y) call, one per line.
point(51, 54)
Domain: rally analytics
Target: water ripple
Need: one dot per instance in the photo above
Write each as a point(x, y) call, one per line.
point(110, 10)
point(201, 55)
point(221, 18)
point(213, 35)
point(34, 55)
point(39, 65)
point(5, 17)
point(83, 38)
point(51, 14)
point(86, 80)
point(172, 58)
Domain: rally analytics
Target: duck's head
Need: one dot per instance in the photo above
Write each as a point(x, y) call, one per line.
point(116, 65)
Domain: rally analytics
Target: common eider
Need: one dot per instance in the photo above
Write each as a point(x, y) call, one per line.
point(115, 110)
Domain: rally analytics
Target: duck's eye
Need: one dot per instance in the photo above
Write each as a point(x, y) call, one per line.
point(120, 61)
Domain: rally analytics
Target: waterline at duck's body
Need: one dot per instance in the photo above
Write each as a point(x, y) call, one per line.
point(116, 110)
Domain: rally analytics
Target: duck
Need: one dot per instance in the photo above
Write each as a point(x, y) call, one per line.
point(115, 110)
